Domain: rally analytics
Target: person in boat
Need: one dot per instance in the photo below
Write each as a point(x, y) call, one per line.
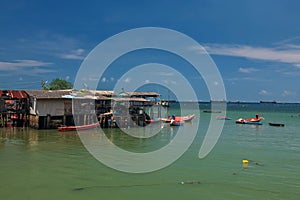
point(257, 116)
point(172, 119)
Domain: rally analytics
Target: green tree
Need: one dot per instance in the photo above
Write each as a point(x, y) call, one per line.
point(58, 84)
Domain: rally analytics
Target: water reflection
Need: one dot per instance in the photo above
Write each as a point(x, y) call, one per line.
point(19, 136)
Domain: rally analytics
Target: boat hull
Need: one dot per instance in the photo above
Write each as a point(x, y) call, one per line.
point(223, 118)
point(176, 123)
point(75, 128)
point(212, 111)
point(152, 121)
point(254, 121)
point(187, 118)
point(276, 124)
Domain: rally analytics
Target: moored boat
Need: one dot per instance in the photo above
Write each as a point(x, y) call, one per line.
point(249, 121)
point(186, 118)
point(276, 124)
point(152, 121)
point(223, 118)
point(212, 111)
point(176, 123)
point(74, 128)
point(255, 121)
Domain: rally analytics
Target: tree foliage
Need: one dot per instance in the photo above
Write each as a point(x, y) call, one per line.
point(58, 84)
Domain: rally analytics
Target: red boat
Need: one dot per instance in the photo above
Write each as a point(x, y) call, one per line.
point(176, 123)
point(152, 121)
point(74, 128)
point(223, 118)
point(255, 121)
point(187, 118)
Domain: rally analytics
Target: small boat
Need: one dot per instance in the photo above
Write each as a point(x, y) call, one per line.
point(255, 121)
point(74, 128)
point(152, 121)
point(212, 111)
point(187, 118)
point(276, 124)
point(223, 118)
point(176, 123)
point(268, 102)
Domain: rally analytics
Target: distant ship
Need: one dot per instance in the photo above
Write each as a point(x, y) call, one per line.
point(268, 102)
point(218, 101)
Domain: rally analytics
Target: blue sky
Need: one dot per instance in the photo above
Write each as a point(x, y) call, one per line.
point(255, 44)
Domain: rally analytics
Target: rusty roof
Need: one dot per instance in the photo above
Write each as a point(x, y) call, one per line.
point(48, 94)
point(13, 94)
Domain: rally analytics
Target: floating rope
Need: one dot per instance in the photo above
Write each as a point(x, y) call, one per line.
point(136, 185)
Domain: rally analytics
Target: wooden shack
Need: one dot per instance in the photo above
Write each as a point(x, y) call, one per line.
point(50, 109)
point(134, 108)
point(88, 106)
point(13, 108)
point(44, 109)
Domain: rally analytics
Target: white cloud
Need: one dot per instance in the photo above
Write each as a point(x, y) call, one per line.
point(263, 92)
point(286, 93)
point(285, 53)
point(20, 64)
point(165, 74)
point(127, 80)
point(37, 71)
point(103, 79)
point(93, 79)
point(47, 43)
point(77, 54)
point(247, 70)
point(147, 81)
point(173, 82)
point(297, 65)
point(168, 82)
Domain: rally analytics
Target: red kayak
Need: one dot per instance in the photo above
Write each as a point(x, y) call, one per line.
point(74, 128)
point(187, 118)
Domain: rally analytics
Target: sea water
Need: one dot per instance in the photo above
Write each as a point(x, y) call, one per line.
point(45, 164)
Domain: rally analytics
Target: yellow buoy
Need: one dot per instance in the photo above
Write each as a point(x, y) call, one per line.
point(245, 163)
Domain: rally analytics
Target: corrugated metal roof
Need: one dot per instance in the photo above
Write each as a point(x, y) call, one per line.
point(88, 96)
point(13, 94)
point(64, 94)
point(48, 94)
point(131, 99)
point(107, 93)
point(140, 94)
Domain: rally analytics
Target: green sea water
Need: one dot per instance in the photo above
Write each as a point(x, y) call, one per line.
point(43, 164)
